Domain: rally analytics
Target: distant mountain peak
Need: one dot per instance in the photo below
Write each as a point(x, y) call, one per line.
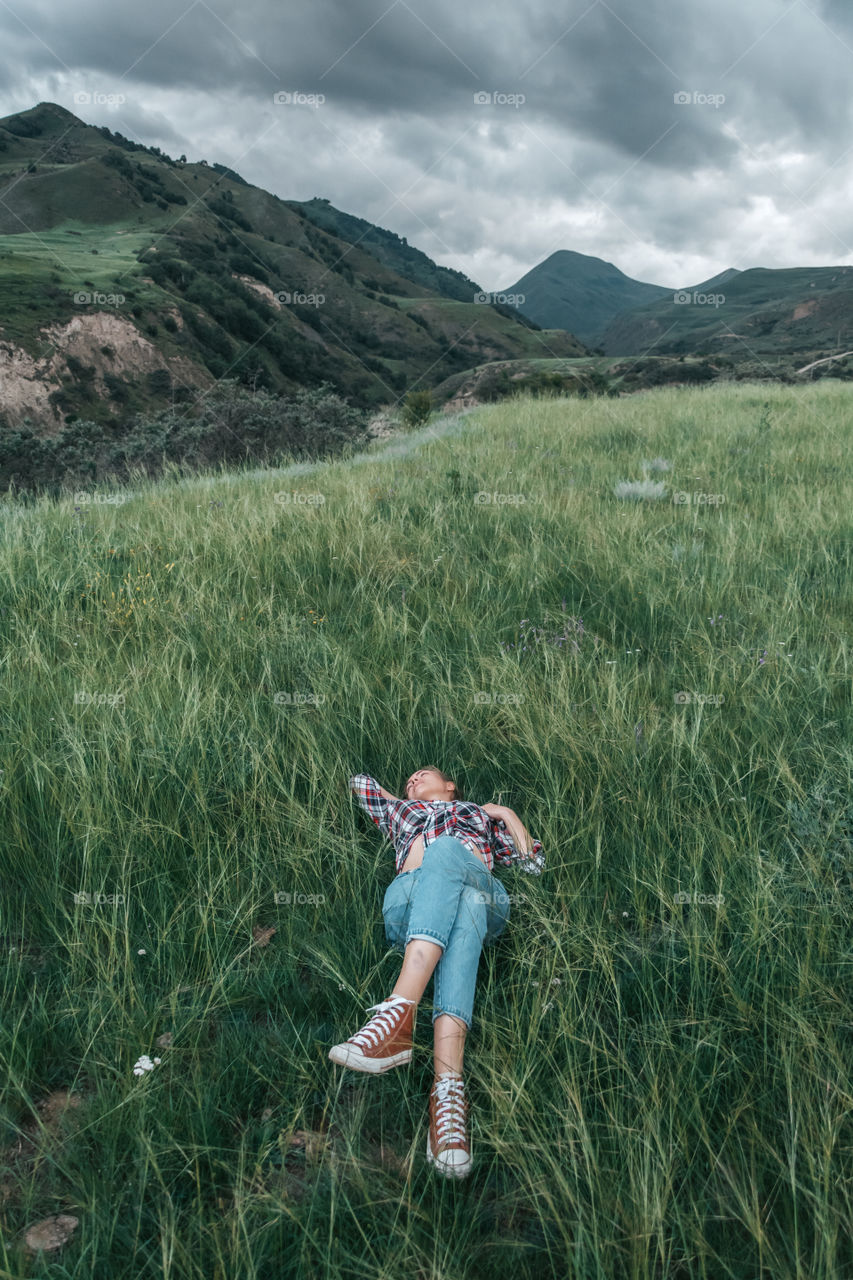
point(567, 256)
point(42, 112)
point(580, 293)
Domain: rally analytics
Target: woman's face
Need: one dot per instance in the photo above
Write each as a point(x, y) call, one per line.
point(426, 784)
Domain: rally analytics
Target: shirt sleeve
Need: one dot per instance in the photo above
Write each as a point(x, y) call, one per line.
point(371, 799)
point(507, 855)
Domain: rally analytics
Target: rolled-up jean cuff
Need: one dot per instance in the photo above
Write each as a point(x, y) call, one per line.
point(427, 937)
point(455, 1013)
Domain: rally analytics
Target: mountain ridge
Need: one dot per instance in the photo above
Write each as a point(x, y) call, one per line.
point(766, 311)
point(207, 275)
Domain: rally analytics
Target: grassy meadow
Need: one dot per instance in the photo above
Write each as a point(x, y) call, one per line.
point(659, 1066)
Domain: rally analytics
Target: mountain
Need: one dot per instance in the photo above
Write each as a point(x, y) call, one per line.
point(132, 280)
point(580, 293)
point(744, 316)
point(757, 313)
point(716, 282)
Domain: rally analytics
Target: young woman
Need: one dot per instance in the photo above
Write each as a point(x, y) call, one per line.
point(440, 910)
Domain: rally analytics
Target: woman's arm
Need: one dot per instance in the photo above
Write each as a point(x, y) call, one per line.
point(520, 837)
point(373, 800)
point(386, 795)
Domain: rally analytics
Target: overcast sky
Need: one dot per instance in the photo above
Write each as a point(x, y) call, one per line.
point(583, 145)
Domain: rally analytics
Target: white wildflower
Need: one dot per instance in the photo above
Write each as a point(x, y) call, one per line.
point(144, 1064)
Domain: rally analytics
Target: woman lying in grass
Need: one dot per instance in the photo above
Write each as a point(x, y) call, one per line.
point(442, 907)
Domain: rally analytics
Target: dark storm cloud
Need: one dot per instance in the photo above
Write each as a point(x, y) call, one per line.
point(601, 156)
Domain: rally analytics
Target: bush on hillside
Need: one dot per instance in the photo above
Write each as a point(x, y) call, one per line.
point(227, 425)
point(498, 384)
point(657, 372)
point(698, 371)
point(417, 408)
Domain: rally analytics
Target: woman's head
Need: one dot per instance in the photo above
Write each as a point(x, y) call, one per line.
point(431, 784)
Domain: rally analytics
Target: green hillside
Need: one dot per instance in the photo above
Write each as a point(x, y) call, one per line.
point(580, 293)
point(204, 276)
point(660, 688)
point(759, 312)
point(761, 322)
point(388, 248)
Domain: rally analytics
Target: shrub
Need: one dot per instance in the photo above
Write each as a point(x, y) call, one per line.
point(117, 387)
point(82, 372)
point(159, 382)
point(417, 408)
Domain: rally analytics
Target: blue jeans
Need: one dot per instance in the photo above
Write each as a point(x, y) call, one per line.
point(453, 900)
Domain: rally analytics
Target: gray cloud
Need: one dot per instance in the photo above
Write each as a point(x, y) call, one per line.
point(600, 157)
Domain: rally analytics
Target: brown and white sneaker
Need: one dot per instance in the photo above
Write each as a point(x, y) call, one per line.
point(448, 1145)
point(382, 1043)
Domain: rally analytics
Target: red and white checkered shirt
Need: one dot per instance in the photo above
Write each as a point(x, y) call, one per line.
point(403, 820)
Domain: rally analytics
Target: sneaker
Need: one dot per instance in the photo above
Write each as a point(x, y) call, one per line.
point(384, 1042)
point(448, 1147)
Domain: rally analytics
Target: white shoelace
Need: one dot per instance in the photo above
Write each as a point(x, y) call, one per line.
point(449, 1110)
point(385, 1021)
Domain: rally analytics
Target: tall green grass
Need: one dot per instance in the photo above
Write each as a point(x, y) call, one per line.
point(661, 690)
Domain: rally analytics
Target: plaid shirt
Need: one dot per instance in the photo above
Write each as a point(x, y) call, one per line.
point(403, 820)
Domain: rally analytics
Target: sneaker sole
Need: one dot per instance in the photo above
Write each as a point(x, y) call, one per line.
point(345, 1055)
point(449, 1171)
